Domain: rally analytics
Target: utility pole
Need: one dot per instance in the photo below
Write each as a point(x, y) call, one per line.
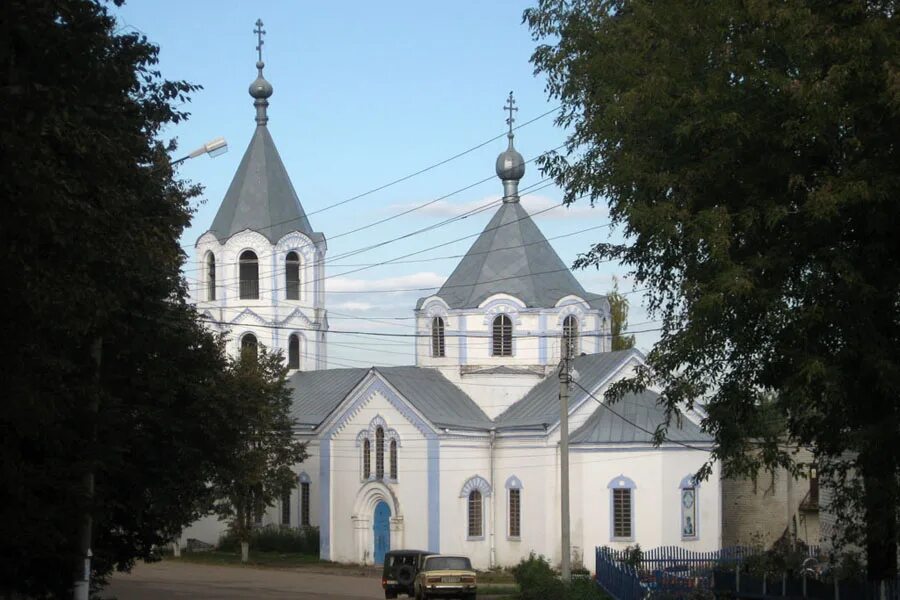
point(82, 585)
point(565, 566)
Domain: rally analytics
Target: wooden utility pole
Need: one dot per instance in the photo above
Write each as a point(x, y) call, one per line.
point(565, 566)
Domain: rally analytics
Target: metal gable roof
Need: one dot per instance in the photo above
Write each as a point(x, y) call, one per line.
point(316, 394)
point(261, 196)
point(512, 256)
point(643, 414)
point(540, 406)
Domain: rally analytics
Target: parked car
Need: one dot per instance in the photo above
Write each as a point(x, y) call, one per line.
point(442, 576)
point(399, 573)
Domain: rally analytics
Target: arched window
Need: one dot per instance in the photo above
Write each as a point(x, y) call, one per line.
point(367, 458)
point(294, 351)
point(514, 508)
point(394, 460)
point(437, 337)
point(210, 276)
point(379, 453)
point(502, 342)
point(249, 346)
point(249, 275)
point(292, 276)
point(570, 335)
point(689, 526)
point(475, 521)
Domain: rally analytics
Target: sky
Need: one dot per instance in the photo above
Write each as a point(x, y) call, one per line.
point(366, 93)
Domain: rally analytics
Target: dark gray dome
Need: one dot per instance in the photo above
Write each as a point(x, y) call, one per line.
point(510, 164)
point(260, 88)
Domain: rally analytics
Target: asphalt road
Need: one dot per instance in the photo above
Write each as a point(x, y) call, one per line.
point(183, 580)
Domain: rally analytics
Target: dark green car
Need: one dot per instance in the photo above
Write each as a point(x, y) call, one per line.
point(400, 570)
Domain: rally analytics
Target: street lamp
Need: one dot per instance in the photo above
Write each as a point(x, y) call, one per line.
point(82, 585)
point(214, 148)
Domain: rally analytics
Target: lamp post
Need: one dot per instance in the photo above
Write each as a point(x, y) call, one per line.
point(214, 148)
point(82, 587)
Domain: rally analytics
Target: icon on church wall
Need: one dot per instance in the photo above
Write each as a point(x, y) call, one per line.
point(688, 512)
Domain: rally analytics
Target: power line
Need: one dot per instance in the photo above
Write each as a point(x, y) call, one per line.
point(405, 177)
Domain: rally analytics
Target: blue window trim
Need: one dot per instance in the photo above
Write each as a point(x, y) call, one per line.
point(620, 483)
point(476, 482)
point(688, 482)
point(513, 483)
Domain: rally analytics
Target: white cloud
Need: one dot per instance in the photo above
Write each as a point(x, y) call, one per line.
point(533, 203)
point(413, 281)
point(354, 306)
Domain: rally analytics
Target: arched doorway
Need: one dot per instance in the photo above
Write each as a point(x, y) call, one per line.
point(381, 529)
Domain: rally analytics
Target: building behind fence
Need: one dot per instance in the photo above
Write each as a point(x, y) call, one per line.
point(676, 572)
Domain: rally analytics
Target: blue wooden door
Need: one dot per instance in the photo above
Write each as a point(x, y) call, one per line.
point(382, 529)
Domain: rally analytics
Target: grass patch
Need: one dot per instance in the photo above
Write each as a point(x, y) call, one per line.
point(256, 559)
point(500, 591)
point(496, 576)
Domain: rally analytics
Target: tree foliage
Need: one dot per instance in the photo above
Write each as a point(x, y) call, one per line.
point(618, 311)
point(90, 261)
point(748, 152)
point(264, 442)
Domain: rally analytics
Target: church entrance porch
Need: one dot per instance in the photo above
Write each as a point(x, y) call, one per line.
point(381, 531)
point(377, 523)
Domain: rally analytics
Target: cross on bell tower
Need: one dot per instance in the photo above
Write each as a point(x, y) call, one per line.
point(260, 32)
point(511, 107)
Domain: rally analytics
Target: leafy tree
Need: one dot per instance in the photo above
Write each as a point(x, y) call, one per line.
point(618, 309)
point(264, 442)
point(748, 151)
point(108, 371)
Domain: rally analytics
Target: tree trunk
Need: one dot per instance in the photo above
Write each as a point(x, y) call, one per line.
point(881, 496)
point(245, 551)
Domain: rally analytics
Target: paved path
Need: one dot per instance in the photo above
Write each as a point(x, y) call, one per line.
point(175, 580)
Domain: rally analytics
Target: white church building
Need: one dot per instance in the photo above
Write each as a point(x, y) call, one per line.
point(459, 453)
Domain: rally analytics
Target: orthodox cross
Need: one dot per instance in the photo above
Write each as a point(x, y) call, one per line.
point(511, 107)
point(260, 32)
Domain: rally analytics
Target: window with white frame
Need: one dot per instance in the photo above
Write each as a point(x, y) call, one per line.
point(394, 460)
point(688, 492)
point(379, 453)
point(294, 351)
point(514, 508)
point(249, 346)
point(621, 498)
point(438, 348)
point(502, 336)
point(475, 528)
point(248, 271)
point(292, 276)
point(304, 503)
point(366, 458)
point(210, 276)
point(286, 509)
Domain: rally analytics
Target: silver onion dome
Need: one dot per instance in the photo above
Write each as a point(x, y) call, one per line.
point(510, 164)
point(260, 88)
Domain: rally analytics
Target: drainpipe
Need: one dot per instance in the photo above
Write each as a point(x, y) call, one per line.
point(493, 560)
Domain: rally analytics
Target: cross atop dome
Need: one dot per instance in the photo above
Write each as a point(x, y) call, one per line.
point(511, 107)
point(260, 89)
point(510, 164)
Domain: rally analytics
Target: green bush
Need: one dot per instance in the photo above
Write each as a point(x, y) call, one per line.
point(273, 538)
point(584, 589)
point(536, 579)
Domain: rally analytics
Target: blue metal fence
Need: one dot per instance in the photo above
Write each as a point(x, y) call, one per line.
point(616, 579)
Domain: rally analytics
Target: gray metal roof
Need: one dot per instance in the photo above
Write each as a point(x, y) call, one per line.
point(512, 256)
point(643, 414)
point(540, 406)
point(317, 393)
point(261, 197)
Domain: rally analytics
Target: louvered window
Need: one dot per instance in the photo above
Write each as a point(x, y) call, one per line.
point(294, 351)
point(394, 460)
point(304, 504)
point(515, 513)
point(622, 513)
point(211, 276)
point(475, 528)
point(292, 276)
point(570, 336)
point(437, 337)
point(379, 453)
point(502, 339)
point(248, 267)
point(367, 458)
